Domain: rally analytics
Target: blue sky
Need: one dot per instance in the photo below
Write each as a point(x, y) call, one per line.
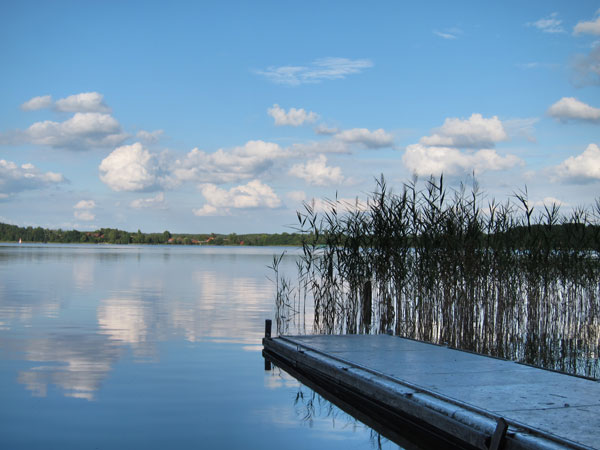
point(226, 116)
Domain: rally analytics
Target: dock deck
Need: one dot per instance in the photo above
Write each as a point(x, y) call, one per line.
point(466, 400)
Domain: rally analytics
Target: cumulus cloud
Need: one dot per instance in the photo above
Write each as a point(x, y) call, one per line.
point(133, 168)
point(474, 132)
point(240, 163)
point(586, 68)
point(84, 102)
point(549, 24)
point(84, 215)
point(83, 210)
point(81, 132)
point(42, 102)
point(317, 173)
point(325, 130)
point(85, 204)
point(588, 27)
point(370, 139)
point(434, 160)
point(149, 137)
point(293, 117)
point(158, 201)
point(15, 178)
point(582, 168)
point(319, 70)
point(219, 201)
point(569, 108)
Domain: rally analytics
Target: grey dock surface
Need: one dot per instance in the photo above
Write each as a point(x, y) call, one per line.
point(462, 397)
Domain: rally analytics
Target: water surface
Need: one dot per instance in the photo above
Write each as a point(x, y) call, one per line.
point(149, 347)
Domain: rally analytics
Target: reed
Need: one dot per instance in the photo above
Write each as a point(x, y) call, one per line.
point(445, 266)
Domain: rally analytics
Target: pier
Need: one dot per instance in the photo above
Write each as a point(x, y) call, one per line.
point(442, 396)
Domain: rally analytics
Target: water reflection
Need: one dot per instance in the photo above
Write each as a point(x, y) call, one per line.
point(123, 299)
point(317, 413)
point(78, 364)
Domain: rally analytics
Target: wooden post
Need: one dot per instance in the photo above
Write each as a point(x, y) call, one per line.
point(268, 324)
point(366, 305)
point(498, 436)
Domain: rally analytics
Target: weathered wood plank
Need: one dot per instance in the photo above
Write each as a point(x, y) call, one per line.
point(458, 394)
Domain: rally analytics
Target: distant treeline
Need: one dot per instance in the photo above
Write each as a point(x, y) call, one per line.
point(559, 236)
point(13, 233)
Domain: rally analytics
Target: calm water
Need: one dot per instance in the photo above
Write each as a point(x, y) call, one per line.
point(149, 347)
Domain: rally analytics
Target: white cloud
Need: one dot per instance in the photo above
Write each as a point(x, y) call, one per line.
point(435, 160)
point(549, 201)
point(132, 168)
point(84, 215)
point(450, 33)
point(209, 210)
point(85, 204)
point(582, 168)
point(571, 108)
point(549, 24)
point(158, 201)
point(81, 132)
point(318, 147)
point(588, 27)
point(319, 70)
point(586, 68)
point(219, 201)
point(84, 102)
point(370, 139)
point(149, 137)
point(474, 132)
point(240, 163)
point(14, 178)
point(83, 210)
point(317, 173)
point(293, 117)
point(296, 196)
point(42, 102)
point(325, 130)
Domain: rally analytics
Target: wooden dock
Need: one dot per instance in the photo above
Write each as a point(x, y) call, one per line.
point(441, 396)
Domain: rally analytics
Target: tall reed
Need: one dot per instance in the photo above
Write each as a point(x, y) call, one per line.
point(447, 267)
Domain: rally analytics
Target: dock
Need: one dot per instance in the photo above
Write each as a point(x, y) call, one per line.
point(443, 397)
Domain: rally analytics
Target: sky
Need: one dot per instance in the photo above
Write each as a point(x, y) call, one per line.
point(199, 117)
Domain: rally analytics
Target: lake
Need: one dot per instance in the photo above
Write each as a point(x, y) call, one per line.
point(107, 346)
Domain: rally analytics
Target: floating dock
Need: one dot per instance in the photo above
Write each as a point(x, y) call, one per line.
point(441, 396)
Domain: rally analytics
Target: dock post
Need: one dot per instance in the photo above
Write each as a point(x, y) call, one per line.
point(268, 324)
point(498, 436)
point(366, 306)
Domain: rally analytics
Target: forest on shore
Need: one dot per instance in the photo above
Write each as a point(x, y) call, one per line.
point(13, 233)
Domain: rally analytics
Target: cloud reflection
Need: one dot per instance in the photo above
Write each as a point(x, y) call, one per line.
point(79, 364)
point(95, 306)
